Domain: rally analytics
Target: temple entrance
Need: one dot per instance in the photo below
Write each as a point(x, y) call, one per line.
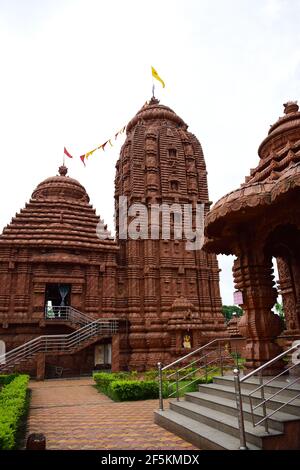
point(57, 297)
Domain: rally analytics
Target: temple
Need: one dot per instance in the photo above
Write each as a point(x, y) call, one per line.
point(260, 222)
point(95, 302)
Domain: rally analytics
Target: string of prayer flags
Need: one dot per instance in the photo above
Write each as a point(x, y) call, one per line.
point(102, 146)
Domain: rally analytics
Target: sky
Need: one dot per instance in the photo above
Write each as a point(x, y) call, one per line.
point(73, 72)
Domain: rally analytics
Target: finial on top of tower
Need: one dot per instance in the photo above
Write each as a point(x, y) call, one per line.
point(63, 170)
point(154, 100)
point(291, 107)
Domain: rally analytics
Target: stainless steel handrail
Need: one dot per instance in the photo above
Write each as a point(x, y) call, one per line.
point(269, 363)
point(190, 354)
point(58, 343)
point(218, 359)
point(261, 388)
point(67, 312)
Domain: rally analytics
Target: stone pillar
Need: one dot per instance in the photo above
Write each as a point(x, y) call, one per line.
point(40, 366)
point(115, 353)
point(259, 325)
point(289, 296)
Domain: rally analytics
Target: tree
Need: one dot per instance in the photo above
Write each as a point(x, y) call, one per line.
point(280, 312)
point(229, 310)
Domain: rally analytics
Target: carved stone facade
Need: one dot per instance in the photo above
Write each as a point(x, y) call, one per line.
point(257, 222)
point(53, 242)
point(168, 292)
point(166, 297)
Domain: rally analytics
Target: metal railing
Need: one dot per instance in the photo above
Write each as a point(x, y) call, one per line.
point(257, 397)
point(67, 313)
point(211, 357)
point(64, 343)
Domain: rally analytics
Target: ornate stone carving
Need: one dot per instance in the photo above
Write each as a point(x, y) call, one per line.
point(140, 282)
point(168, 154)
point(259, 221)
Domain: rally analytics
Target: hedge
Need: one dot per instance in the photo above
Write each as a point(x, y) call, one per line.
point(103, 379)
point(120, 387)
point(129, 390)
point(6, 379)
point(124, 386)
point(13, 404)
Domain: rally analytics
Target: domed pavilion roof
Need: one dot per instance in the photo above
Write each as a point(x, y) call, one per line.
point(58, 214)
point(275, 179)
point(61, 187)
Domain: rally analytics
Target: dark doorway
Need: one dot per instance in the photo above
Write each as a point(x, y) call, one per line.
point(57, 297)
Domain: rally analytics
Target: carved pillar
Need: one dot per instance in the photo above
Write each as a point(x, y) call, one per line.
point(289, 296)
point(296, 279)
point(253, 276)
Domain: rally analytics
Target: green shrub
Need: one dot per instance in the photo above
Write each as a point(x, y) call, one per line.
point(129, 390)
point(150, 374)
point(6, 379)
point(133, 375)
point(185, 386)
point(13, 405)
point(119, 386)
point(103, 379)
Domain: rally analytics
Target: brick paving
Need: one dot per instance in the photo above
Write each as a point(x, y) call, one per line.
point(74, 415)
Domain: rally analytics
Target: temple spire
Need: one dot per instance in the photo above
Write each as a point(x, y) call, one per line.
point(154, 100)
point(63, 170)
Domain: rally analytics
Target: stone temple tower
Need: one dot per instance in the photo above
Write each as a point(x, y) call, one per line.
point(170, 295)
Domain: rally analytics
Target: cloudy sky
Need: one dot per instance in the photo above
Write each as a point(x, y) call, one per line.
point(75, 71)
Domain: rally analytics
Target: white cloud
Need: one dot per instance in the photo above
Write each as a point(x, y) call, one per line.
point(273, 8)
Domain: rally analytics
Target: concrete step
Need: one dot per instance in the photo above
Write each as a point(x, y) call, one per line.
point(199, 434)
point(223, 422)
point(272, 388)
point(228, 392)
point(228, 406)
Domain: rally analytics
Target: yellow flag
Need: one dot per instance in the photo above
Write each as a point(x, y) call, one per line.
point(155, 75)
point(90, 153)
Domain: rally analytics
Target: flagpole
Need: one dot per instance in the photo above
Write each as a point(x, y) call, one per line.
point(153, 87)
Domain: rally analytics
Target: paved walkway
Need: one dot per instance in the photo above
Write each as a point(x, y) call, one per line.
point(73, 415)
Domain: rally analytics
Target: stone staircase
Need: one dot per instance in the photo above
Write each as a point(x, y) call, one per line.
point(208, 418)
point(82, 337)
